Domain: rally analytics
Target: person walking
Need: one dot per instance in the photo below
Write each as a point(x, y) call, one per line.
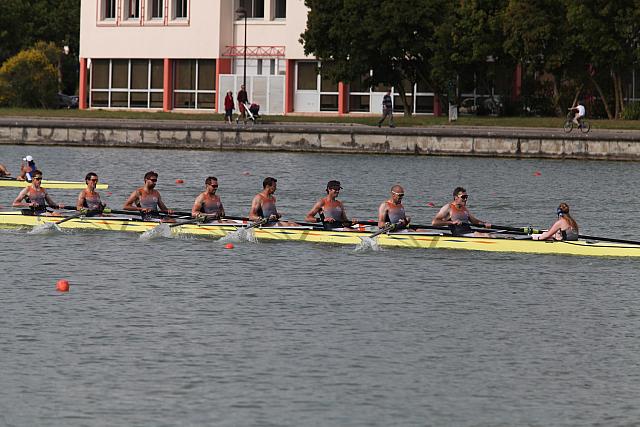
point(387, 109)
point(228, 107)
point(243, 100)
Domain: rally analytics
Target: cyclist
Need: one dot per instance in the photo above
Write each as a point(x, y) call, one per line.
point(580, 111)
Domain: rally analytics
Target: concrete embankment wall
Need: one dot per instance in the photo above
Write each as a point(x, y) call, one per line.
point(445, 140)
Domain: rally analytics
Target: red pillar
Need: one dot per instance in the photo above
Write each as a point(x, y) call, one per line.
point(437, 109)
point(289, 85)
point(343, 98)
point(82, 92)
point(517, 83)
point(167, 99)
point(223, 66)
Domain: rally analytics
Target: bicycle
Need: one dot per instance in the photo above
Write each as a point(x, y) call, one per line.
point(584, 126)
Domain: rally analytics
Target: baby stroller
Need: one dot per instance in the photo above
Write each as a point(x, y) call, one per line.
point(253, 112)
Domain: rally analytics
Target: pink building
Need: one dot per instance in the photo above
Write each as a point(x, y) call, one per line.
point(184, 55)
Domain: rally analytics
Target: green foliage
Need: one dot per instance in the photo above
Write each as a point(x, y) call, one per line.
point(28, 79)
point(631, 111)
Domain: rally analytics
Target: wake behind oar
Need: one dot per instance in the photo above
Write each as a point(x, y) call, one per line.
point(244, 234)
point(161, 230)
point(54, 226)
point(370, 242)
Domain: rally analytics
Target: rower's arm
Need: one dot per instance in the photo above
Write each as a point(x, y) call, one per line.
point(197, 205)
point(550, 232)
point(129, 204)
point(311, 215)
point(382, 214)
point(441, 217)
point(80, 201)
point(255, 205)
point(18, 202)
point(50, 201)
point(162, 206)
point(476, 221)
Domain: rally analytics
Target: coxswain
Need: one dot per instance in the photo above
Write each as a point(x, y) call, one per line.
point(458, 218)
point(27, 169)
point(208, 203)
point(263, 205)
point(147, 199)
point(565, 228)
point(34, 197)
point(331, 211)
point(89, 199)
point(392, 211)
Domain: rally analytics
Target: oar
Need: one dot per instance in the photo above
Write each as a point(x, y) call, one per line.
point(258, 223)
point(523, 230)
point(70, 217)
point(606, 239)
point(386, 228)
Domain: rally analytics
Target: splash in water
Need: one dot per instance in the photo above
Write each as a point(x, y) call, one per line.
point(46, 228)
point(241, 234)
point(160, 230)
point(368, 244)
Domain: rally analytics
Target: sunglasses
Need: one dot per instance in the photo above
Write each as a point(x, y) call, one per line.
point(39, 178)
point(153, 179)
point(213, 185)
point(464, 196)
point(398, 194)
point(93, 179)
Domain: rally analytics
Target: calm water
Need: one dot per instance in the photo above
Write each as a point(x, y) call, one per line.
point(183, 332)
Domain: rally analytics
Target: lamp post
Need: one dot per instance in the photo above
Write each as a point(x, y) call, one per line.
point(243, 13)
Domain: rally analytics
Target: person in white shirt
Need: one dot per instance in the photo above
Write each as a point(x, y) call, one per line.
point(579, 113)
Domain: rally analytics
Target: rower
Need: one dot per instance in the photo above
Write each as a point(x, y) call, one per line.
point(565, 228)
point(263, 205)
point(208, 202)
point(147, 199)
point(392, 210)
point(4, 171)
point(331, 210)
point(35, 198)
point(458, 218)
point(89, 199)
point(27, 169)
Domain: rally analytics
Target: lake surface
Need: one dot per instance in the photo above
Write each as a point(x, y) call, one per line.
point(184, 332)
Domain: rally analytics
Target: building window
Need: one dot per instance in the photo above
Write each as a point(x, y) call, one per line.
point(123, 83)
point(157, 9)
point(181, 9)
point(194, 83)
point(280, 9)
point(328, 94)
point(132, 9)
point(254, 8)
point(109, 9)
point(307, 76)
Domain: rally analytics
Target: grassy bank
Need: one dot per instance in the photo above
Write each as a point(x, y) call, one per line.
point(401, 121)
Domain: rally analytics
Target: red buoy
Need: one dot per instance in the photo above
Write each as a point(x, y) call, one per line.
point(62, 285)
point(179, 181)
point(246, 173)
point(228, 246)
point(537, 173)
point(430, 204)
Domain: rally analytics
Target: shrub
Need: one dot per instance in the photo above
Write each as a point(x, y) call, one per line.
point(29, 79)
point(631, 111)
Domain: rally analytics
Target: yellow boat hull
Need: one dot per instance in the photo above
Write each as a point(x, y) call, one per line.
point(422, 240)
point(66, 185)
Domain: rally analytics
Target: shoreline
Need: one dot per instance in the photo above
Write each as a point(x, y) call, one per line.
point(550, 143)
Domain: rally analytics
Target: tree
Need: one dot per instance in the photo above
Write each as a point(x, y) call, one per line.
point(393, 39)
point(28, 79)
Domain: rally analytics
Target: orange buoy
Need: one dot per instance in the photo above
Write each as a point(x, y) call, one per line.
point(228, 246)
point(109, 193)
point(537, 173)
point(179, 181)
point(246, 173)
point(430, 204)
point(62, 285)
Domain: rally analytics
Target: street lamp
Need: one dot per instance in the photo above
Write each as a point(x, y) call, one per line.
point(243, 13)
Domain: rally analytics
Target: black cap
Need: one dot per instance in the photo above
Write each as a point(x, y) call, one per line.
point(334, 184)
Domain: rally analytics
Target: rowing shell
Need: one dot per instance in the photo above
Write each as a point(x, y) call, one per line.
point(422, 240)
point(68, 185)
